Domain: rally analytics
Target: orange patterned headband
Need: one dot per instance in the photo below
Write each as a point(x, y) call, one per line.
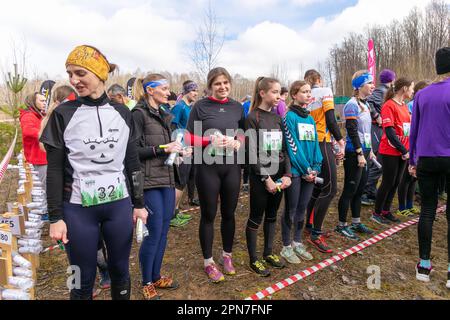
point(90, 59)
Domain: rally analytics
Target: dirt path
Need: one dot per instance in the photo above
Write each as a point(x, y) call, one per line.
point(347, 280)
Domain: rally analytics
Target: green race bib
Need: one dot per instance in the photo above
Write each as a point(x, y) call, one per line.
point(102, 189)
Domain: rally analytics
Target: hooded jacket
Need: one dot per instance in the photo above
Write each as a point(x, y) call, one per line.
point(30, 122)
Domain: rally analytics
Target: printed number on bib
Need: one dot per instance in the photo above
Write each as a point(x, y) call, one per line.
point(272, 141)
point(406, 129)
point(102, 189)
point(367, 140)
point(220, 152)
point(306, 132)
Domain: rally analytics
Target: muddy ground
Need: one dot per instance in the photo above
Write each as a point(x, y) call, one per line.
point(347, 280)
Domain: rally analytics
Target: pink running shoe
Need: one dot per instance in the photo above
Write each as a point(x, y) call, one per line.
point(214, 274)
point(228, 266)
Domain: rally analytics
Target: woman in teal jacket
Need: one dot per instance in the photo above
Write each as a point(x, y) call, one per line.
point(306, 159)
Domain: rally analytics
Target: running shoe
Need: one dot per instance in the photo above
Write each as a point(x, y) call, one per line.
point(149, 292)
point(365, 201)
point(300, 251)
point(260, 269)
point(379, 219)
point(403, 213)
point(289, 255)
point(423, 274)
point(194, 202)
point(448, 280)
point(245, 187)
point(228, 267)
point(320, 244)
point(414, 210)
point(346, 232)
point(177, 222)
point(183, 216)
point(274, 261)
point(166, 283)
point(389, 216)
point(361, 228)
point(214, 274)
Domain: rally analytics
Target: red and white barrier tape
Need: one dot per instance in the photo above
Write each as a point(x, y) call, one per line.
point(328, 262)
point(7, 158)
point(198, 208)
point(50, 248)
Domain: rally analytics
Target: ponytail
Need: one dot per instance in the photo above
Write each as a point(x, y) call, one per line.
point(138, 88)
point(396, 87)
point(261, 84)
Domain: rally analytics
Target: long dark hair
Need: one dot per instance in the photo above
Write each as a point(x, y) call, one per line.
point(398, 85)
point(262, 84)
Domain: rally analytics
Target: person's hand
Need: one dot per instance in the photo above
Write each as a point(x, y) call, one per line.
point(379, 121)
point(405, 156)
point(141, 214)
point(234, 144)
point(362, 162)
point(58, 231)
point(219, 141)
point(310, 178)
point(285, 183)
point(413, 171)
point(174, 147)
point(341, 154)
point(271, 186)
point(372, 155)
point(186, 152)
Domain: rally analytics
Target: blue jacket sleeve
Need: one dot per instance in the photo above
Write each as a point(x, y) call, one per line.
point(177, 111)
point(298, 160)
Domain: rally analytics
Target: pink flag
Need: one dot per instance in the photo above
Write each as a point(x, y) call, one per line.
point(372, 61)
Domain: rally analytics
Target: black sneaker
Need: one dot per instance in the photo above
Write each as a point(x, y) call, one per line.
point(274, 261)
point(194, 202)
point(260, 269)
point(391, 218)
point(366, 201)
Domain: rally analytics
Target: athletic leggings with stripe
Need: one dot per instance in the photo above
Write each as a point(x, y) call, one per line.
point(393, 169)
point(214, 182)
point(84, 225)
point(323, 194)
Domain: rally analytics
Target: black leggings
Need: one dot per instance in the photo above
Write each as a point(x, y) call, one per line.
point(213, 181)
point(323, 194)
point(429, 173)
point(261, 201)
point(406, 191)
point(393, 168)
point(354, 182)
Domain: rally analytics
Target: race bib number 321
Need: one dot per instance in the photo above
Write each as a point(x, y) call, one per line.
point(102, 189)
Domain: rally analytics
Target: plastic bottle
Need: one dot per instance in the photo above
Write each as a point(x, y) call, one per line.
point(22, 272)
point(11, 294)
point(21, 282)
point(21, 261)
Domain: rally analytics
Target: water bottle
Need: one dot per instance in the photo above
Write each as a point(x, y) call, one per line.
point(29, 243)
point(22, 272)
point(376, 163)
point(169, 162)
point(21, 261)
point(31, 250)
point(21, 282)
point(11, 294)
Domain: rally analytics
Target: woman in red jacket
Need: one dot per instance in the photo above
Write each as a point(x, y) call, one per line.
point(30, 122)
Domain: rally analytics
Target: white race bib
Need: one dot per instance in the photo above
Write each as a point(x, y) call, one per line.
point(102, 189)
point(367, 140)
point(406, 129)
point(306, 132)
point(272, 141)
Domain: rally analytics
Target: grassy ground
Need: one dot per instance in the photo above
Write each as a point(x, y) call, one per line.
point(347, 280)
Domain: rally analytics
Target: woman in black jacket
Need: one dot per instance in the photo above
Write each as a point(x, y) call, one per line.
point(154, 146)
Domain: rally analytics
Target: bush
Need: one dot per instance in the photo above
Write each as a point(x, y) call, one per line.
point(6, 137)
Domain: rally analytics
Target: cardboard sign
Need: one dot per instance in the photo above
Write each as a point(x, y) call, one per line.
point(15, 222)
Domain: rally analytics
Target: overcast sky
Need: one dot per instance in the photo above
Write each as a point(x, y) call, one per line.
point(157, 35)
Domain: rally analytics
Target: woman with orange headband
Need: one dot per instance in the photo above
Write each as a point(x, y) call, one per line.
point(94, 177)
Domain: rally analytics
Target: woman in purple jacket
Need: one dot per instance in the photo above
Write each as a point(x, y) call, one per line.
point(430, 156)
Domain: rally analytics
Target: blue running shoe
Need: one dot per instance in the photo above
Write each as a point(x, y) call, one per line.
point(346, 232)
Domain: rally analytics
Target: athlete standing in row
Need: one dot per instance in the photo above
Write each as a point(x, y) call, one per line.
point(214, 123)
point(358, 122)
point(270, 172)
point(394, 147)
point(322, 110)
point(93, 169)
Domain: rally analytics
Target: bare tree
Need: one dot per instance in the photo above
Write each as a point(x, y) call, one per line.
point(209, 43)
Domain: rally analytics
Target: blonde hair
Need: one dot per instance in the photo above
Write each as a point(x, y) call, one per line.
point(138, 89)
